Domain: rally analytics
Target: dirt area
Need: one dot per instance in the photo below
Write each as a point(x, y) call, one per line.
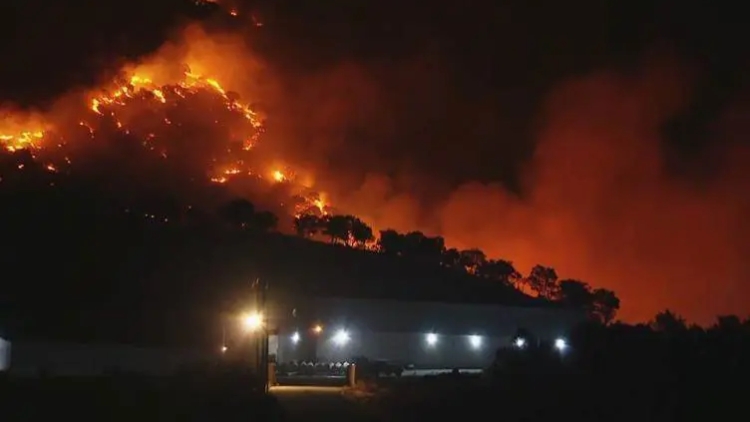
point(308, 403)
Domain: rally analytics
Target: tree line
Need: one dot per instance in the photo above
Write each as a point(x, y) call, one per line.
point(600, 304)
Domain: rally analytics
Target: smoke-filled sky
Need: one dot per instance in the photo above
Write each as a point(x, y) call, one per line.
point(605, 139)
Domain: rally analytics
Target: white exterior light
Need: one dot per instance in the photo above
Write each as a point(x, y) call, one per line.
point(561, 344)
point(475, 341)
point(520, 342)
point(341, 338)
point(295, 337)
point(431, 339)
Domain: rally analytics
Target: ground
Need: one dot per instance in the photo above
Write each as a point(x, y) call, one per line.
point(313, 403)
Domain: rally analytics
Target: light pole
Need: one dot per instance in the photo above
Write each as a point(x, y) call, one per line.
point(257, 323)
point(255, 326)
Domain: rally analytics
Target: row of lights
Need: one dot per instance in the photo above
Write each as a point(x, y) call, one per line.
point(254, 322)
point(342, 337)
point(475, 341)
point(560, 343)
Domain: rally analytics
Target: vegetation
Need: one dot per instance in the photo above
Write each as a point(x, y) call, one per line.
point(600, 304)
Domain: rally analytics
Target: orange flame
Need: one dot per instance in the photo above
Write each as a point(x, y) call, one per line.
point(138, 85)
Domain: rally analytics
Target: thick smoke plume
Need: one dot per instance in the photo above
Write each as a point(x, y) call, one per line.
point(601, 204)
point(604, 196)
point(602, 199)
point(599, 197)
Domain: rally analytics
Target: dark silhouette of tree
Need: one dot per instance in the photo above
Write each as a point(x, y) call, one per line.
point(308, 225)
point(361, 233)
point(601, 305)
point(391, 242)
point(238, 213)
point(499, 270)
point(264, 221)
point(729, 322)
point(543, 281)
point(576, 293)
point(338, 228)
point(422, 248)
point(604, 305)
point(472, 259)
point(451, 258)
point(668, 322)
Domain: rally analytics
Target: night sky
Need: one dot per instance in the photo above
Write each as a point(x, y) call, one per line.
point(607, 139)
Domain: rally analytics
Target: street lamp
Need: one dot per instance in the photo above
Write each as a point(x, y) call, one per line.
point(252, 321)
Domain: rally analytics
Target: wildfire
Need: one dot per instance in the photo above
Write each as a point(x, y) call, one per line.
point(114, 108)
point(22, 140)
point(320, 205)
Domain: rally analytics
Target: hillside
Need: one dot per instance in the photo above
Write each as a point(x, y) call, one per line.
point(84, 262)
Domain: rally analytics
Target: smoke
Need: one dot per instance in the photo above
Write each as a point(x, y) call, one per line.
point(600, 203)
point(605, 196)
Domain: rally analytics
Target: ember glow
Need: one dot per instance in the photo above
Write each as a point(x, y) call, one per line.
point(159, 109)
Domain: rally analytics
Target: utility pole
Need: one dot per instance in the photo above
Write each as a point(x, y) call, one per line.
point(262, 342)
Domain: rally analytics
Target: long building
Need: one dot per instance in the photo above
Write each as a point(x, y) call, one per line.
point(184, 293)
point(422, 334)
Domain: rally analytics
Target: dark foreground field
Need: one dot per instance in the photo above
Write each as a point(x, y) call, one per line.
point(525, 394)
point(553, 396)
point(122, 398)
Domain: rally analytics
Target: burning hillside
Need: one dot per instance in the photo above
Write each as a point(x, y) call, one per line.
point(182, 120)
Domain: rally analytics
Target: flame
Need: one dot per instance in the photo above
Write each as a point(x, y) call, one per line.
point(279, 176)
point(139, 86)
point(28, 139)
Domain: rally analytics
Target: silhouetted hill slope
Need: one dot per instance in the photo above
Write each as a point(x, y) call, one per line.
point(81, 262)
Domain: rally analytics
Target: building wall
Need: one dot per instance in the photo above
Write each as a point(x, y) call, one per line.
point(388, 331)
point(68, 359)
point(412, 348)
point(4, 355)
point(407, 348)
